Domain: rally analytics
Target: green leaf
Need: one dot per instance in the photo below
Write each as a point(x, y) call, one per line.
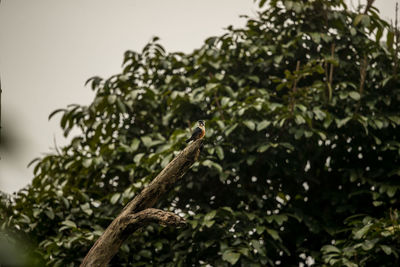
point(386, 249)
point(263, 148)
point(390, 39)
point(319, 114)
point(328, 121)
point(377, 203)
point(219, 76)
point(262, 3)
point(50, 213)
point(69, 224)
point(308, 134)
point(358, 19)
point(209, 216)
point(250, 124)
point(330, 249)
point(355, 95)
point(299, 119)
point(115, 198)
point(211, 164)
point(111, 99)
point(341, 122)
point(391, 191)
point(316, 37)
point(225, 100)
point(121, 105)
point(138, 157)
point(287, 145)
point(366, 21)
point(256, 244)
point(379, 34)
point(146, 140)
point(86, 209)
point(278, 218)
point(368, 244)
point(231, 129)
point(145, 253)
point(87, 163)
point(166, 160)
point(288, 4)
point(395, 119)
point(297, 7)
point(260, 229)
point(274, 234)
point(298, 133)
point(254, 79)
point(208, 224)
point(36, 212)
point(361, 232)
point(262, 125)
point(231, 257)
point(220, 152)
point(278, 59)
point(135, 144)
point(55, 112)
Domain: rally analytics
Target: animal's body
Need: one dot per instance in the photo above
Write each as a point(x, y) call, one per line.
point(198, 133)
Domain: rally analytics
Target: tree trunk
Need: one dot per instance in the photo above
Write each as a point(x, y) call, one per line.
point(138, 212)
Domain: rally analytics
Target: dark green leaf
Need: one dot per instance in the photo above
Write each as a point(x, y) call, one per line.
point(231, 257)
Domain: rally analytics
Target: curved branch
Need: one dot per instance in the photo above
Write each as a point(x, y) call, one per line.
point(138, 211)
point(151, 215)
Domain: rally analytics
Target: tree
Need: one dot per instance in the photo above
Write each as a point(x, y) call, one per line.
point(300, 161)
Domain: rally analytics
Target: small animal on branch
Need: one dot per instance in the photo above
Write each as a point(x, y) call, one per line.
point(199, 132)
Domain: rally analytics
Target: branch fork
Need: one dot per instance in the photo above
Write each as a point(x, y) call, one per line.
point(139, 212)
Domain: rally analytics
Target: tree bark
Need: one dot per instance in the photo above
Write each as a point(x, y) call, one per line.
point(138, 212)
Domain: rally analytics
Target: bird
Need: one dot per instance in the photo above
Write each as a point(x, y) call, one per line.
point(199, 132)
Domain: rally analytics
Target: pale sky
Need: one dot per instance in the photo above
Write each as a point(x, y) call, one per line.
point(49, 48)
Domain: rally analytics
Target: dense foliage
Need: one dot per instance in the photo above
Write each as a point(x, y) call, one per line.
point(301, 161)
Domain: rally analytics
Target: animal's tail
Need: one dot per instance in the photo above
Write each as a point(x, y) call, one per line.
point(187, 141)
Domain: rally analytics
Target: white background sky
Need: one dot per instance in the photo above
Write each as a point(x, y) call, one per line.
point(49, 48)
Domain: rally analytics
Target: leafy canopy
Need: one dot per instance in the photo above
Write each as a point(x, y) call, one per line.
point(301, 158)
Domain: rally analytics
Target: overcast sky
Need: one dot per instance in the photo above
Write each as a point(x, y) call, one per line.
point(49, 48)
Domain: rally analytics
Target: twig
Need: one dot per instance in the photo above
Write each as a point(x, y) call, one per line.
point(396, 42)
point(363, 74)
point(331, 67)
point(294, 88)
point(329, 75)
point(55, 145)
point(297, 77)
point(219, 106)
point(326, 72)
point(368, 6)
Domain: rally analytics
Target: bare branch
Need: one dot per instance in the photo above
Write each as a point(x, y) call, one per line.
point(138, 212)
point(294, 88)
point(297, 76)
point(331, 69)
point(368, 6)
point(151, 215)
point(167, 177)
point(363, 73)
